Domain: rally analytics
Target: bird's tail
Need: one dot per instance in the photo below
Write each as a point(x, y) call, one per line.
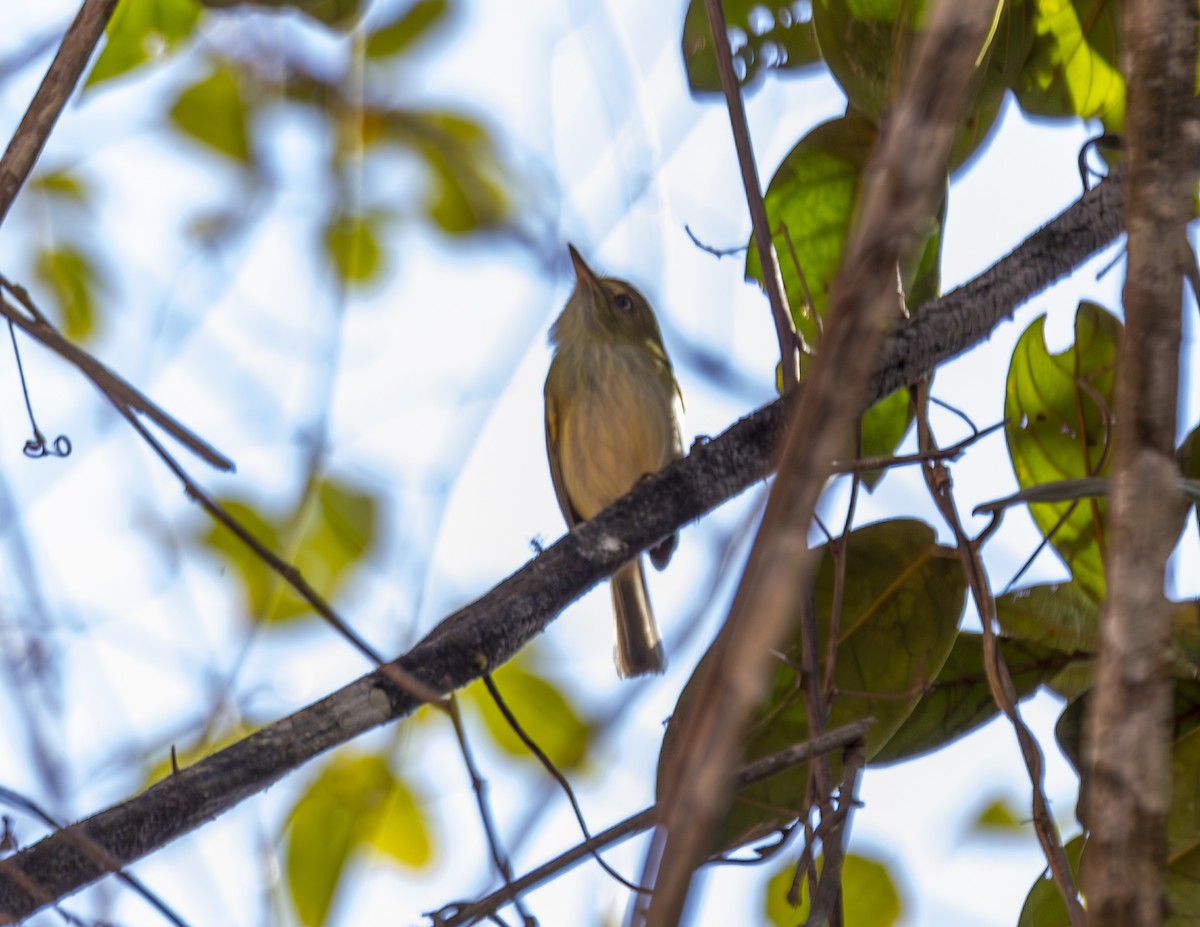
point(639, 650)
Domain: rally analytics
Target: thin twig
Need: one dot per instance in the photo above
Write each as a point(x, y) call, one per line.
point(479, 787)
point(556, 774)
point(828, 893)
point(938, 479)
point(785, 328)
point(287, 571)
point(457, 915)
point(117, 391)
point(56, 88)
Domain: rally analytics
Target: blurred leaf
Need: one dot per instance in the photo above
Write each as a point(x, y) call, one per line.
point(411, 26)
point(340, 14)
point(960, 700)
point(141, 31)
point(63, 185)
point(1057, 411)
point(869, 895)
point(543, 710)
point(1044, 905)
point(467, 186)
point(898, 623)
point(213, 112)
point(354, 803)
point(351, 242)
point(763, 38)
point(72, 279)
point(332, 530)
point(998, 816)
point(1074, 68)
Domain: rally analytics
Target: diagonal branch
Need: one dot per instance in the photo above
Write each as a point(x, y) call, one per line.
point(483, 635)
point(901, 188)
point(56, 88)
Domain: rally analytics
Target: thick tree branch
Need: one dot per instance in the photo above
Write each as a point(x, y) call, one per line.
point(481, 636)
point(1130, 730)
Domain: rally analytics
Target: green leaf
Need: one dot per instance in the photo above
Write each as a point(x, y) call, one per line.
point(467, 188)
point(998, 816)
point(354, 803)
point(409, 28)
point(960, 700)
point(898, 623)
point(869, 46)
point(883, 428)
point(1057, 411)
point(542, 709)
point(1044, 905)
point(810, 206)
point(1061, 616)
point(143, 31)
point(329, 533)
point(63, 185)
point(352, 246)
point(764, 38)
point(869, 895)
point(72, 279)
point(212, 111)
point(1074, 67)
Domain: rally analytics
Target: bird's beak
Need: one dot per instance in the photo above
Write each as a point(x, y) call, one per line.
point(583, 273)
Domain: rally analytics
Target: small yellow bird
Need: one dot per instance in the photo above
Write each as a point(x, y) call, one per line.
point(612, 417)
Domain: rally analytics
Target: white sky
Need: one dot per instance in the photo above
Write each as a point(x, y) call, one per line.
point(438, 385)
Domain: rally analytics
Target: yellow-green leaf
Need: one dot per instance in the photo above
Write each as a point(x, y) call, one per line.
point(354, 803)
point(213, 111)
point(351, 242)
point(998, 816)
point(326, 536)
point(406, 30)
point(143, 31)
point(869, 895)
point(72, 279)
point(542, 709)
point(1074, 68)
point(1058, 414)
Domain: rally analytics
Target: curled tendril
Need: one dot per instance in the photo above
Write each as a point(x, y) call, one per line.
point(36, 446)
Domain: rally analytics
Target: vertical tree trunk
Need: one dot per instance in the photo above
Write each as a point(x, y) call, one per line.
point(1130, 727)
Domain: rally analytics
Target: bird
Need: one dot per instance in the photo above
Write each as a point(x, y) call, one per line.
point(613, 409)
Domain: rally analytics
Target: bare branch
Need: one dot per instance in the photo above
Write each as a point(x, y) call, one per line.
point(57, 86)
point(901, 189)
point(785, 328)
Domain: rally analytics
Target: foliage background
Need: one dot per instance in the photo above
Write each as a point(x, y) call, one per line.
point(305, 278)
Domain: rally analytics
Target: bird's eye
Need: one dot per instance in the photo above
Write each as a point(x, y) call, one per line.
point(623, 302)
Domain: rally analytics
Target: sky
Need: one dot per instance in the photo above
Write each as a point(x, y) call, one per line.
point(428, 389)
